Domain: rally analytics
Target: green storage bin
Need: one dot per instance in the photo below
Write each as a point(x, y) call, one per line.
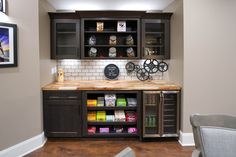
point(121, 102)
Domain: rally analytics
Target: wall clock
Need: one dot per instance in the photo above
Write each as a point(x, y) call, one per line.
point(111, 71)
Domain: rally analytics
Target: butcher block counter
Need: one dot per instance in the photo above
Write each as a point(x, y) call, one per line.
point(83, 108)
point(112, 85)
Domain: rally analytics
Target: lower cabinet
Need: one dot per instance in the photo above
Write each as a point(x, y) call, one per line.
point(160, 114)
point(62, 113)
point(144, 114)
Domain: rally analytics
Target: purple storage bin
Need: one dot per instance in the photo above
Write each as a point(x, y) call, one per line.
point(104, 130)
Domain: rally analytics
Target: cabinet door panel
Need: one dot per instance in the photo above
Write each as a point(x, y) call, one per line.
point(151, 114)
point(62, 118)
point(62, 95)
point(156, 38)
point(65, 39)
point(160, 114)
point(170, 113)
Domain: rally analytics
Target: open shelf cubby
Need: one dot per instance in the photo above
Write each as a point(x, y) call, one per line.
point(95, 118)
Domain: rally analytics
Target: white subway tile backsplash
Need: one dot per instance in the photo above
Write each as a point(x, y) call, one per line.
point(93, 69)
point(99, 70)
point(95, 74)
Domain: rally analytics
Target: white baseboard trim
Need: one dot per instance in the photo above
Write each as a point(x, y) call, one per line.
point(24, 147)
point(186, 139)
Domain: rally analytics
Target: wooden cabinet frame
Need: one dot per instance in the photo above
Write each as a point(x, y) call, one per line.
point(54, 38)
point(166, 35)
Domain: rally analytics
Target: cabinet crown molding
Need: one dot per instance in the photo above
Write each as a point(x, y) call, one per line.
point(109, 13)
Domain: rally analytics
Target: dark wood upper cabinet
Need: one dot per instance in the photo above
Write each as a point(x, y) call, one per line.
point(65, 35)
point(156, 38)
point(70, 33)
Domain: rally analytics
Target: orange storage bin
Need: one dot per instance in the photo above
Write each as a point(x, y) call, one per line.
point(91, 102)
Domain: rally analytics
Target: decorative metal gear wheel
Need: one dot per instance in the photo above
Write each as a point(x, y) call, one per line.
point(151, 65)
point(142, 74)
point(163, 66)
point(130, 67)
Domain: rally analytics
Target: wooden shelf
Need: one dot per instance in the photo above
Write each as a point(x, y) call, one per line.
point(111, 108)
point(169, 120)
point(58, 32)
point(103, 32)
point(154, 32)
point(113, 58)
point(110, 45)
point(149, 46)
point(169, 126)
point(110, 123)
point(169, 109)
point(72, 46)
point(169, 115)
point(113, 135)
point(169, 104)
point(160, 57)
point(151, 105)
point(150, 126)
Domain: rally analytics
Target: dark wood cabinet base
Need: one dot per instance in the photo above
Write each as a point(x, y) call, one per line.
point(66, 114)
point(62, 113)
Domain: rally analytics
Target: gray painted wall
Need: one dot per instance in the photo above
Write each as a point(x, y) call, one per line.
point(20, 109)
point(46, 64)
point(209, 64)
point(209, 58)
point(176, 62)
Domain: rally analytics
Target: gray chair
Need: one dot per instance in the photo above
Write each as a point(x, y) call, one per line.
point(127, 152)
point(214, 135)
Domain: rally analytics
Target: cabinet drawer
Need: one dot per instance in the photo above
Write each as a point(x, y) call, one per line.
point(62, 95)
point(48, 103)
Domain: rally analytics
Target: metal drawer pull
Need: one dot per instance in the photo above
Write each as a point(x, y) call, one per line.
point(65, 97)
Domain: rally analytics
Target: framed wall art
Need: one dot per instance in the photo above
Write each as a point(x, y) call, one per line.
point(8, 45)
point(2, 6)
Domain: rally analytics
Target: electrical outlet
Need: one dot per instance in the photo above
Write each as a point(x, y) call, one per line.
point(53, 70)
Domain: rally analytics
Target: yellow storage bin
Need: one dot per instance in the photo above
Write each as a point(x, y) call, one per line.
point(101, 115)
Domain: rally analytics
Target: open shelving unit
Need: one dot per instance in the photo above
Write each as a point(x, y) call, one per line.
point(110, 111)
point(102, 38)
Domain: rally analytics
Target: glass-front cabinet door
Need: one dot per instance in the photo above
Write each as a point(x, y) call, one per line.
point(65, 43)
point(151, 114)
point(170, 108)
point(160, 114)
point(156, 38)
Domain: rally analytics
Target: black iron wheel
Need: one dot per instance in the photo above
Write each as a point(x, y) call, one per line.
point(163, 66)
point(142, 74)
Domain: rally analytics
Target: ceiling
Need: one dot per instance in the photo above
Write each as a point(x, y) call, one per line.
point(70, 5)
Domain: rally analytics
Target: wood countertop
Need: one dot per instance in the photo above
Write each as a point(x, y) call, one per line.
point(112, 85)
